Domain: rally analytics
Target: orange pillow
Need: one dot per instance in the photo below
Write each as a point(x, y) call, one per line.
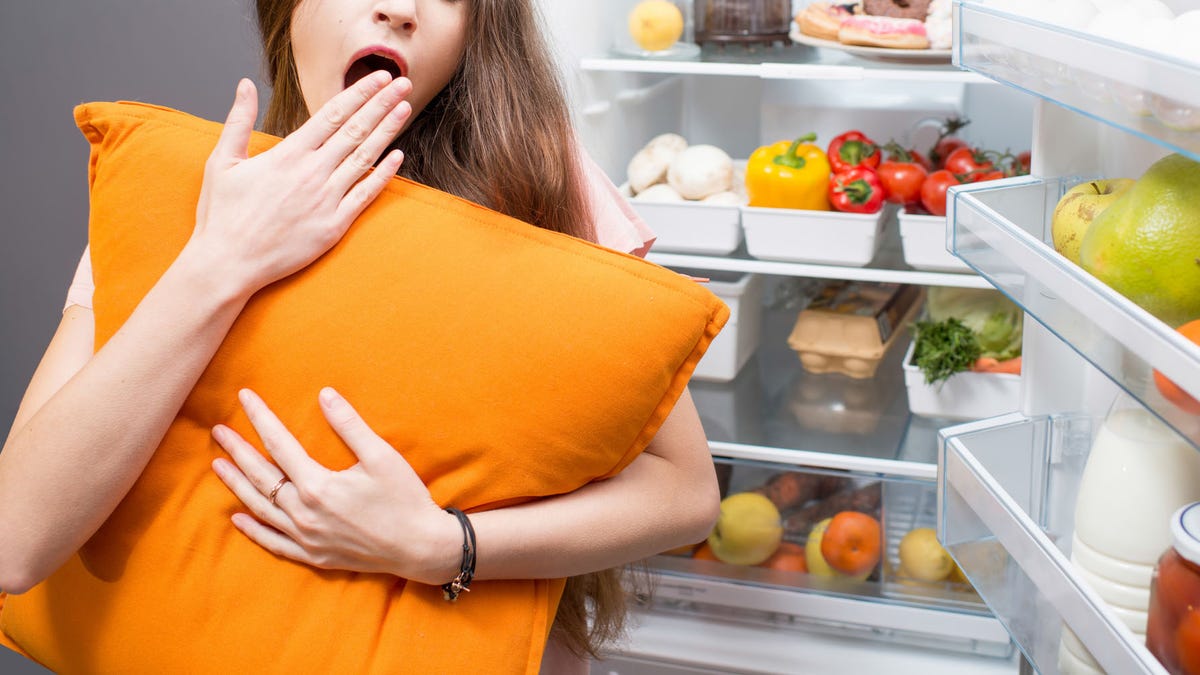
point(505, 362)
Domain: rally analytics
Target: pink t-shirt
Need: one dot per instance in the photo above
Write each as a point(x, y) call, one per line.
point(617, 226)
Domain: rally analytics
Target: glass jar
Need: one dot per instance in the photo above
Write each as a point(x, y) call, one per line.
point(1173, 630)
point(743, 21)
point(655, 29)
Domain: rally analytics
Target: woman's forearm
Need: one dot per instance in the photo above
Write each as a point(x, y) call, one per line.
point(665, 498)
point(78, 444)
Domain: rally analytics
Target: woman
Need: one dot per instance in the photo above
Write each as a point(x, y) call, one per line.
point(472, 101)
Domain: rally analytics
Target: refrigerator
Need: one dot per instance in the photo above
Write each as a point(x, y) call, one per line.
point(998, 482)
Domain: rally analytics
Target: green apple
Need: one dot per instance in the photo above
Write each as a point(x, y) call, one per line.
point(1078, 208)
point(748, 530)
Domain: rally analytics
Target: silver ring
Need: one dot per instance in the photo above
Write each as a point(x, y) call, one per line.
point(275, 490)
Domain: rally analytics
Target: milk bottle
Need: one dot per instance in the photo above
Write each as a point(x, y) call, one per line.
point(1139, 472)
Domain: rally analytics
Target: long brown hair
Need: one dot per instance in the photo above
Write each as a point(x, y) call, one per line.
point(500, 135)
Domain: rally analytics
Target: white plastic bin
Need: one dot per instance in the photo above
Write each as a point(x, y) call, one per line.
point(735, 344)
point(692, 227)
point(923, 239)
point(964, 396)
point(821, 237)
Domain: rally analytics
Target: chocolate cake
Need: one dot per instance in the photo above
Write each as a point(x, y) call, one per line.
point(900, 9)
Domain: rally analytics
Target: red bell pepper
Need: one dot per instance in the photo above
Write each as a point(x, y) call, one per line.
point(856, 190)
point(853, 149)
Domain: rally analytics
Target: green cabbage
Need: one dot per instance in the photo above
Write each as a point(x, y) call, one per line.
point(963, 325)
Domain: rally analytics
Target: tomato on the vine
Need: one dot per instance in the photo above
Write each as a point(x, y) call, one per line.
point(902, 180)
point(933, 191)
point(944, 148)
point(1024, 163)
point(921, 159)
point(969, 163)
point(994, 174)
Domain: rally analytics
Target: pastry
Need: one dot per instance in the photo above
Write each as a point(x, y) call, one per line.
point(882, 31)
point(897, 9)
point(822, 20)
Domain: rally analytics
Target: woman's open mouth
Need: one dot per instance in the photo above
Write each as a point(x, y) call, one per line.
point(371, 60)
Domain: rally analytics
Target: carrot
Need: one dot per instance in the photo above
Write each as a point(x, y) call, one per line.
point(989, 365)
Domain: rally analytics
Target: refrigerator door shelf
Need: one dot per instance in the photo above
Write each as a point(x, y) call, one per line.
point(1007, 498)
point(1001, 229)
point(1149, 94)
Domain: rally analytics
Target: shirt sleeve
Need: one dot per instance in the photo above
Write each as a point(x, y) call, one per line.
point(616, 224)
point(82, 287)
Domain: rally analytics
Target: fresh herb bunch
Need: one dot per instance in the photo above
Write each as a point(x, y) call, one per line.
point(944, 348)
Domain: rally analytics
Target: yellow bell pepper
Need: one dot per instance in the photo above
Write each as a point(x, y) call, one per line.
point(789, 175)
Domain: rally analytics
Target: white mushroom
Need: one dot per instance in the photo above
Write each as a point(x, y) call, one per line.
point(649, 165)
point(658, 193)
point(624, 190)
point(667, 146)
point(700, 171)
point(724, 199)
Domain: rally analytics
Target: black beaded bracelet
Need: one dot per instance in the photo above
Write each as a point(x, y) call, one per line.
point(466, 570)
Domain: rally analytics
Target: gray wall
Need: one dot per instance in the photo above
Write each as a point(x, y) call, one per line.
point(54, 54)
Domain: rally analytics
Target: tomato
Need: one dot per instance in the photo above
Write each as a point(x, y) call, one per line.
point(921, 159)
point(902, 181)
point(994, 174)
point(944, 148)
point(933, 191)
point(969, 163)
point(856, 190)
point(1024, 163)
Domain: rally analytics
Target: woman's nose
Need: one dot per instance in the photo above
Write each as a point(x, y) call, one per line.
point(397, 14)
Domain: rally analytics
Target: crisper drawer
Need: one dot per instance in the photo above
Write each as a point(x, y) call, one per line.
point(1007, 499)
point(913, 597)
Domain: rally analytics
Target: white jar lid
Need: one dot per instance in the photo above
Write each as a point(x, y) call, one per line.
point(1185, 530)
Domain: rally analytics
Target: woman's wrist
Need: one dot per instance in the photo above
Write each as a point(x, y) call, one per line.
point(209, 272)
point(437, 556)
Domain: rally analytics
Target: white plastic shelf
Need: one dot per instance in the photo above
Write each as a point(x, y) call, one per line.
point(1001, 229)
point(1149, 94)
point(1007, 500)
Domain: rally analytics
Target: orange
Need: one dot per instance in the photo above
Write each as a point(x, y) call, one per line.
point(685, 550)
point(1173, 392)
point(788, 557)
point(705, 552)
point(852, 543)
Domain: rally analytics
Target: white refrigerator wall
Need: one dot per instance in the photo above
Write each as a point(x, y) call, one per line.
point(617, 113)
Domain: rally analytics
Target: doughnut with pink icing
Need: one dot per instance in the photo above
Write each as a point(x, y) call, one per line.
point(883, 31)
point(822, 20)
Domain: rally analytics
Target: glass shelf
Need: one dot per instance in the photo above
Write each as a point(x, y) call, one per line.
point(1001, 229)
point(1007, 499)
point(786, 63)
point(1148, 94)
point(775, 411)
point(888, 266)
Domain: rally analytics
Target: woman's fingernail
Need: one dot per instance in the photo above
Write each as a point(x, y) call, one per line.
point(218, 433)
point(329, 396)
point(244, 396)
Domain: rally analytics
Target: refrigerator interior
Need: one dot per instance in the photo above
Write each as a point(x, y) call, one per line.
point(1006, 487)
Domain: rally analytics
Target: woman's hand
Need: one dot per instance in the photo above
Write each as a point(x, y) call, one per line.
point(376, 516)
point(262, 218)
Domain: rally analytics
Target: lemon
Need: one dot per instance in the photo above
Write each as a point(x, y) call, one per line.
point(748, 530)
point(1146, 244)
point(655, 25)
point(923, 558)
